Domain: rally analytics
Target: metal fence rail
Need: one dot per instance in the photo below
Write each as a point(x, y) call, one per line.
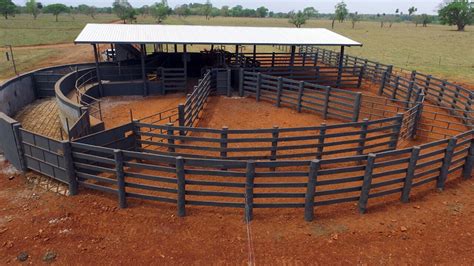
point(330, 102)
point(373, 71)
point(288, 184)
point(351, 162)
point(272, 143)
point(351, 76)
point(195, 102)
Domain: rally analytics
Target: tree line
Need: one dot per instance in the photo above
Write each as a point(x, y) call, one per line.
point(451, 12)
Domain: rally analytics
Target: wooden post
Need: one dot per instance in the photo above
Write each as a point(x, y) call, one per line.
point(181, 184)
point(428, 83)
point(300, 96)
point(170, 133)
point(419, 113)
point(321, 139)
point(279, 91)
point(142, 57)
point(390, 69)
point(397, 84)
point(382, 84)
point(69, 167)
point(229, 87)
point(185, 66)
point(410, 174)
point(367, 183)
point(181, 119)
point(249, 185)
point(311, 190)
point(273, 59)
point(376, 72)
point(409, 93)
point(326, 103)
point(97, 67)
point(441, 92)
point(292, 56)
point(361, 76)
point(223, 142)
point(448, 156)
point(340, 66)
point(161, 71)
point(357, 104)
point(241, 82)
point(468, 164)
point(257, 89)
point(316, 57)
point(363, 136)
point(254, 54)
point(275, 135)
point(396, 131)
point(237, 54)
point(122, 196)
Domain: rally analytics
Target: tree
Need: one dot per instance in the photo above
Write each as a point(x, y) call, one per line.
point(56, 9)
point(354, 18)
point(207, 9)
point(397, 17)
point(236, 11)
point(457, 12)
point(310, 12)
point(182, 10)
point(91, 11)
point(144, 10)
point(412, 10)
point(262, 12)
point(225, 12)
point(298, 19)
point(33, 8)
point(341, 11)
point(7, 8)
point(382, 19)
point(124, 11)
point(160, 11)
point(425, 20)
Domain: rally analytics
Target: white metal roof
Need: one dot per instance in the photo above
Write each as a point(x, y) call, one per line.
point(185, 34)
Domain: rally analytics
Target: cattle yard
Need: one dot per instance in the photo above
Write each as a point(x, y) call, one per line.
point(303, 130)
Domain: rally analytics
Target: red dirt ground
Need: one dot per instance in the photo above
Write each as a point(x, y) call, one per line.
point(89, 228)
point(435, 228)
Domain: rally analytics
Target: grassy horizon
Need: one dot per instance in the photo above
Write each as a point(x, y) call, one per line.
point(438, 50)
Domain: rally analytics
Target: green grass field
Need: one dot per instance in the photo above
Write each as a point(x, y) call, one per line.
point(24, 30)
point(438, 50)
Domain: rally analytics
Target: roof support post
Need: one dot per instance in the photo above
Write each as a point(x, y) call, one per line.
point(254, 54)
point(185, 66)
point(237, 54)
point(175, 48)
point(145, 87)
point(339, 69)
point(99, 79)
point(292, 58)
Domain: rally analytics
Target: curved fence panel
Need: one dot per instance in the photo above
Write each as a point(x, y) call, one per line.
point(196, 101)
point(273, 143)
point(330, 102)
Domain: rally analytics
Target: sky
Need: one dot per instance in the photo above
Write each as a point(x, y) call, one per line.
point(323, 6)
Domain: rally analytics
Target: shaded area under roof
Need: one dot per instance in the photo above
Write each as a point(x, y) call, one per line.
point(185, 34)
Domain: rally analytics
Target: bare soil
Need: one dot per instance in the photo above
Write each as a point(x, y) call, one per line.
point(88, 228)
